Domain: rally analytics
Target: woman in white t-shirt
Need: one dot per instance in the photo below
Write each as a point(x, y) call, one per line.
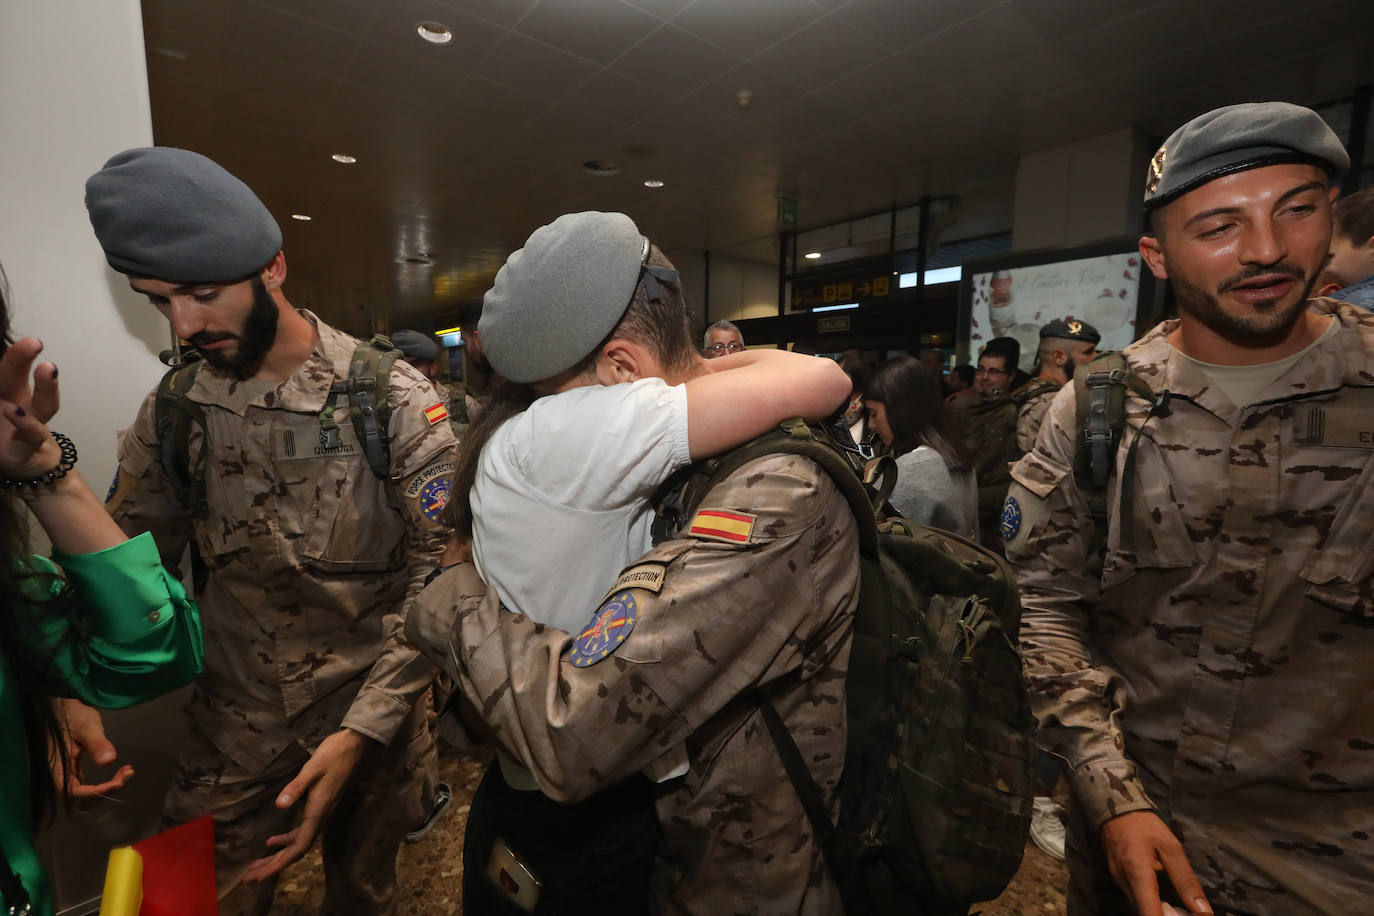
point(553, 486)
point(935, 480)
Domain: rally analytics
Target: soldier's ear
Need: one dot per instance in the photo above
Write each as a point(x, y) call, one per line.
point(620, 361)
point(274, 274)
point(1153, 253)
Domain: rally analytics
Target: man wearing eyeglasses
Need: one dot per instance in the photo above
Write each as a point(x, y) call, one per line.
point(987, 422)
point(721, 338)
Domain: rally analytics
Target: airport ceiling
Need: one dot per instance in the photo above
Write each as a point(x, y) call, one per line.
point(464, 148)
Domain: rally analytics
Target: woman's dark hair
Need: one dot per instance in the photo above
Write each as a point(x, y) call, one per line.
point(662, 325)
point(22, 588)
point(916, 411)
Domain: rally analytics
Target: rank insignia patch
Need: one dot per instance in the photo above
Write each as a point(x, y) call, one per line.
point(1011, 519)
point(436, 413)
point(433, 498)
point(606, 631)
point(720, 525)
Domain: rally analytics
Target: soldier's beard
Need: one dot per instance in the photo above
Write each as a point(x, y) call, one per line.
point(1268, 324)
point(256, 337)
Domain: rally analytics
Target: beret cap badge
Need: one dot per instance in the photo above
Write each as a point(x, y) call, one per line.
point(1075, 327)
point(1156, 169)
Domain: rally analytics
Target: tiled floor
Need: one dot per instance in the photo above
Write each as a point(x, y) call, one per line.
point(431, 871)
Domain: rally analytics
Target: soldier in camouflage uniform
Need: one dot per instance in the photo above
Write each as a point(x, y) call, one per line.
point(987, 423)
point(1065, 344)
point(1211, 692)
point(308, 679)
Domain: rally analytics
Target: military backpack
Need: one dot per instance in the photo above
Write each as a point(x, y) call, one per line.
point(364, 393)
point(936, 795)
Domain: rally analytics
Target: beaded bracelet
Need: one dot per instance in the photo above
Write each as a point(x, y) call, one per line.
point(64, 464)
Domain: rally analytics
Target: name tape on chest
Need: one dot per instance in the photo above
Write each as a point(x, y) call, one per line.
point(1334, 426)
point(722, 525)
point(309, 441)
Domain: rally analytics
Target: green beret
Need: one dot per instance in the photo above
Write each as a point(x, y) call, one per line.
point(1237, 138)
point(1070, 329)
point(174, 215)
point(558, 297)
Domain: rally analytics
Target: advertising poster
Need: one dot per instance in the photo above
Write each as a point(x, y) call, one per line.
point(1104, 290)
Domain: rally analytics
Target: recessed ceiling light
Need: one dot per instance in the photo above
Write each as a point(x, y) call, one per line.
point(300, 216)
point(435, 32)
point(813, 255)
point(653, 183)
point(344, 158)
point(602, 167)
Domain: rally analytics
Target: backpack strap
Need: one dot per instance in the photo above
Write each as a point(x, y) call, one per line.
point(173, 416)
point(1100, 406)
point(368, 373)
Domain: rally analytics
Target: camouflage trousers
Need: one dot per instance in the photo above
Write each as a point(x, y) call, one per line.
point(388, 795)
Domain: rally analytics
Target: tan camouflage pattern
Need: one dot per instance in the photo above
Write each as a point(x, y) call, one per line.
point(391, 791)
point(775, 613)
point(1220, 670)
point(1033, 402)
point(988, 425)
point(309, 561)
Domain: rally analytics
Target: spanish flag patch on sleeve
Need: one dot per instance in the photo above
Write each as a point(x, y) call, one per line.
point(436, 413)
point(720, 525)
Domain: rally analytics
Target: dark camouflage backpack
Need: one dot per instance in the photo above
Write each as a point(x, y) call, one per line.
point(174, 415)
point(935, 799)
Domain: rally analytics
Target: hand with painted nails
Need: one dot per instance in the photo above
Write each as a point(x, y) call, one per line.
point(28, 400)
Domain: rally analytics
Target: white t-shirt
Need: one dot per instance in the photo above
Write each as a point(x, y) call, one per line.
point(560, 503)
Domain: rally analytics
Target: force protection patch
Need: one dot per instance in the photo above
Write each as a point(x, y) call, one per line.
point(607, 630)
point(720, 525)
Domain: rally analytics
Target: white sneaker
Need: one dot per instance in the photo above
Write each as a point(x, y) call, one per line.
point(1047, 827)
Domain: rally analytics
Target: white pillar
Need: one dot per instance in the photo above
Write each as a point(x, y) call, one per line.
point(74, 91)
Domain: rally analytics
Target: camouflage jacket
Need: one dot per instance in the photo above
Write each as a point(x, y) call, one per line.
point(1219, 670)
point(1032, 402)
point(762, 597)
point(310, 554)
point(988, 425)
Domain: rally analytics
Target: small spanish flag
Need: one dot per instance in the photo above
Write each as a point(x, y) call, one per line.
point(719, 525)
point(436, 413)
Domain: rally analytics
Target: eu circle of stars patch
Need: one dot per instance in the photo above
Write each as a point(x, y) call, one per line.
point(433, 498)
point(608, 628)
point(1011, 518)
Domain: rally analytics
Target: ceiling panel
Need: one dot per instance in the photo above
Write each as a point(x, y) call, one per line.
point(745, 29)
point(535, 67)
point(675, 61)
point(598, 30)
point(464, 148)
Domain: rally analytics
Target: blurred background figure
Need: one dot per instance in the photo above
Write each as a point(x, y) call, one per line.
point(1352, 249)
point(960, 382)
point(935, 480)
point(420, 350)
point(721, 338)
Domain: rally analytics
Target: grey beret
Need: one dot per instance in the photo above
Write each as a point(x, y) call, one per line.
point(175, 215)
point(415, 345)
point(1070, 329)
point(1237, 138)
point(558, 297)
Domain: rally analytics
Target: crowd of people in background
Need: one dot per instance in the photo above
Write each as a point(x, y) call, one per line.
point(378, 546)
